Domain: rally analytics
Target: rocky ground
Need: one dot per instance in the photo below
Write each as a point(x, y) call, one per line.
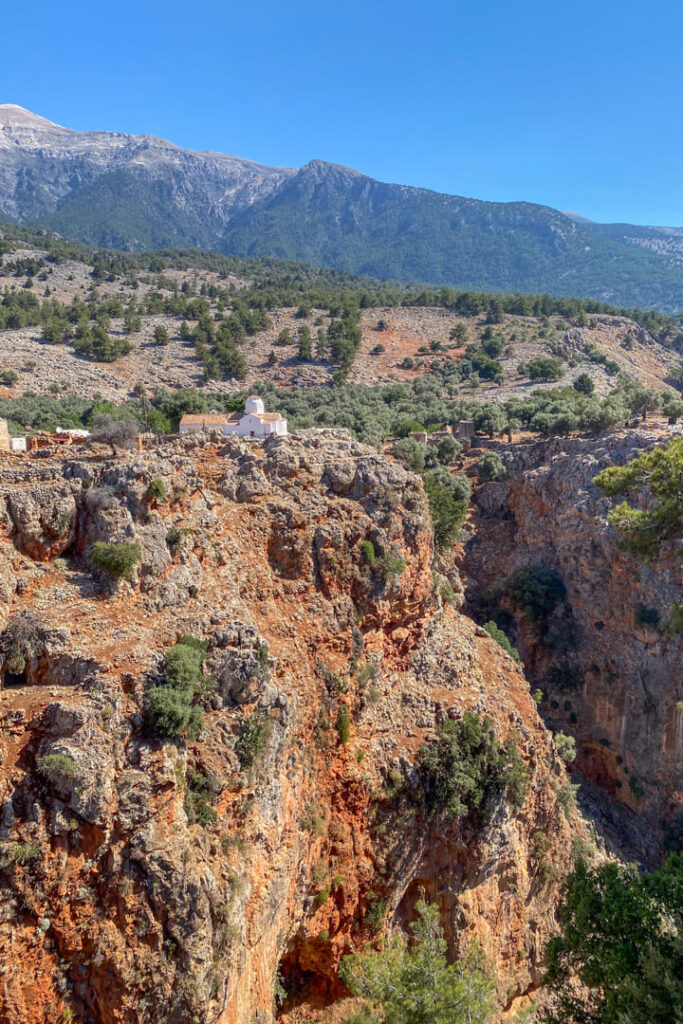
point(117, 906)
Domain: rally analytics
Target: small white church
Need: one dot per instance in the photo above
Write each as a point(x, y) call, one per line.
point(254, 422)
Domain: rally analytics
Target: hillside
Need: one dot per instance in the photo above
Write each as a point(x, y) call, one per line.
point(398, 343)
point(140, 192)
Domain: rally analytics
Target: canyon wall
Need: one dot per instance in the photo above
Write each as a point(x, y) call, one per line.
point(611, 672)
point(216, 880)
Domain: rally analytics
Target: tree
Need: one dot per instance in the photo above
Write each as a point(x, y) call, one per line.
point(622, 937)
point(305, 349)
point(542, 368)
point(412, 454)
point(584, 384)
point(161, 335)
point(661, 471)
point(491, 467)
point(415, 984)
point(119, 433)
point(448, 450)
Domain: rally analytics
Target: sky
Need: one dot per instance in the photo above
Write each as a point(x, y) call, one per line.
point(573, 105)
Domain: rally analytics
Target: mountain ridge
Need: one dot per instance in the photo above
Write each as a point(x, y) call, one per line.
point(141, 192)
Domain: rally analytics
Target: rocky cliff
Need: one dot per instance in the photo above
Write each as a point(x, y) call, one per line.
point(146, 880)
point(609, 667)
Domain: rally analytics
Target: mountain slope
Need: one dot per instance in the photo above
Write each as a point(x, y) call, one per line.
point(140, 192)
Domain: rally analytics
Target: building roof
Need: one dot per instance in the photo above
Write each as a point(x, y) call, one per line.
point(209, 419)
point(268, 417)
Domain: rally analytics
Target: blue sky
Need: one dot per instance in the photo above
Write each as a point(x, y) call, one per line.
point(577, 105)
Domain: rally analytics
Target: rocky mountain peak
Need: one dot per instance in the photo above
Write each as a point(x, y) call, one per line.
point(14, 116)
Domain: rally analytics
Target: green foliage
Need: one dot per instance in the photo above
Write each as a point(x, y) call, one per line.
point(467, 765)
point(661, 472)
point(534, 590)
point(565, 746)
point(21, 853)
point(543, 368)
point(448, 498)
point(156, 490)
point(56, 767)
point(413, 983)
point(501, 639)
point(367, 551)
point(389, 566)
point(584, 384)
point(252, 739)
point(491, 467)
point(622, 936)
point(343, 724)
point(412, 454)
point(200, 794)
point(117, 560)
point(172, 711)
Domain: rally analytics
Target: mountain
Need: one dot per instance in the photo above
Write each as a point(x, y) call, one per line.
point(139, 192)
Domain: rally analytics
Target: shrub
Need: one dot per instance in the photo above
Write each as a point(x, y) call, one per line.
point(448, 449)
point(501, 639)
point(55, 767)
point(389, 566)
point(661, 470)
point(411, 983)
point(412, 454)
point(367, 550)
point(621, 941)
point(156, 490)
point(117, 560)
point(252, 740)
point(543, 368)
point(172, 715)
point(24, 853)
point(173, 538)
point(534, 590)
point(200, 794)
point(491, 467)
point(565, 747)
point(448, 498)
point(467, 765)
point(343, 725)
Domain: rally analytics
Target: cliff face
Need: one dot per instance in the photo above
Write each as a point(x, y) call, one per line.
point(150, 881)
point(612, 678)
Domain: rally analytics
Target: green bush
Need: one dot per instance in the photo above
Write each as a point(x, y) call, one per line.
point(467, 765)
point(622, 941)
point(389, 566)
point(343, 725)
point(448, 498)
point(565, 747)
point(491, 467)
point(252, 739)
point(501, 639)
point(413, 982)
point(367, 550)
point(661, 471)
point(55, 767)
point(200, 793)
point(156, 490)
point(534, 590)
point(117, 560)
point(172, 714)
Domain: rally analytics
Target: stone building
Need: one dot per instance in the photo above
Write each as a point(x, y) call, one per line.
point(5, 440)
